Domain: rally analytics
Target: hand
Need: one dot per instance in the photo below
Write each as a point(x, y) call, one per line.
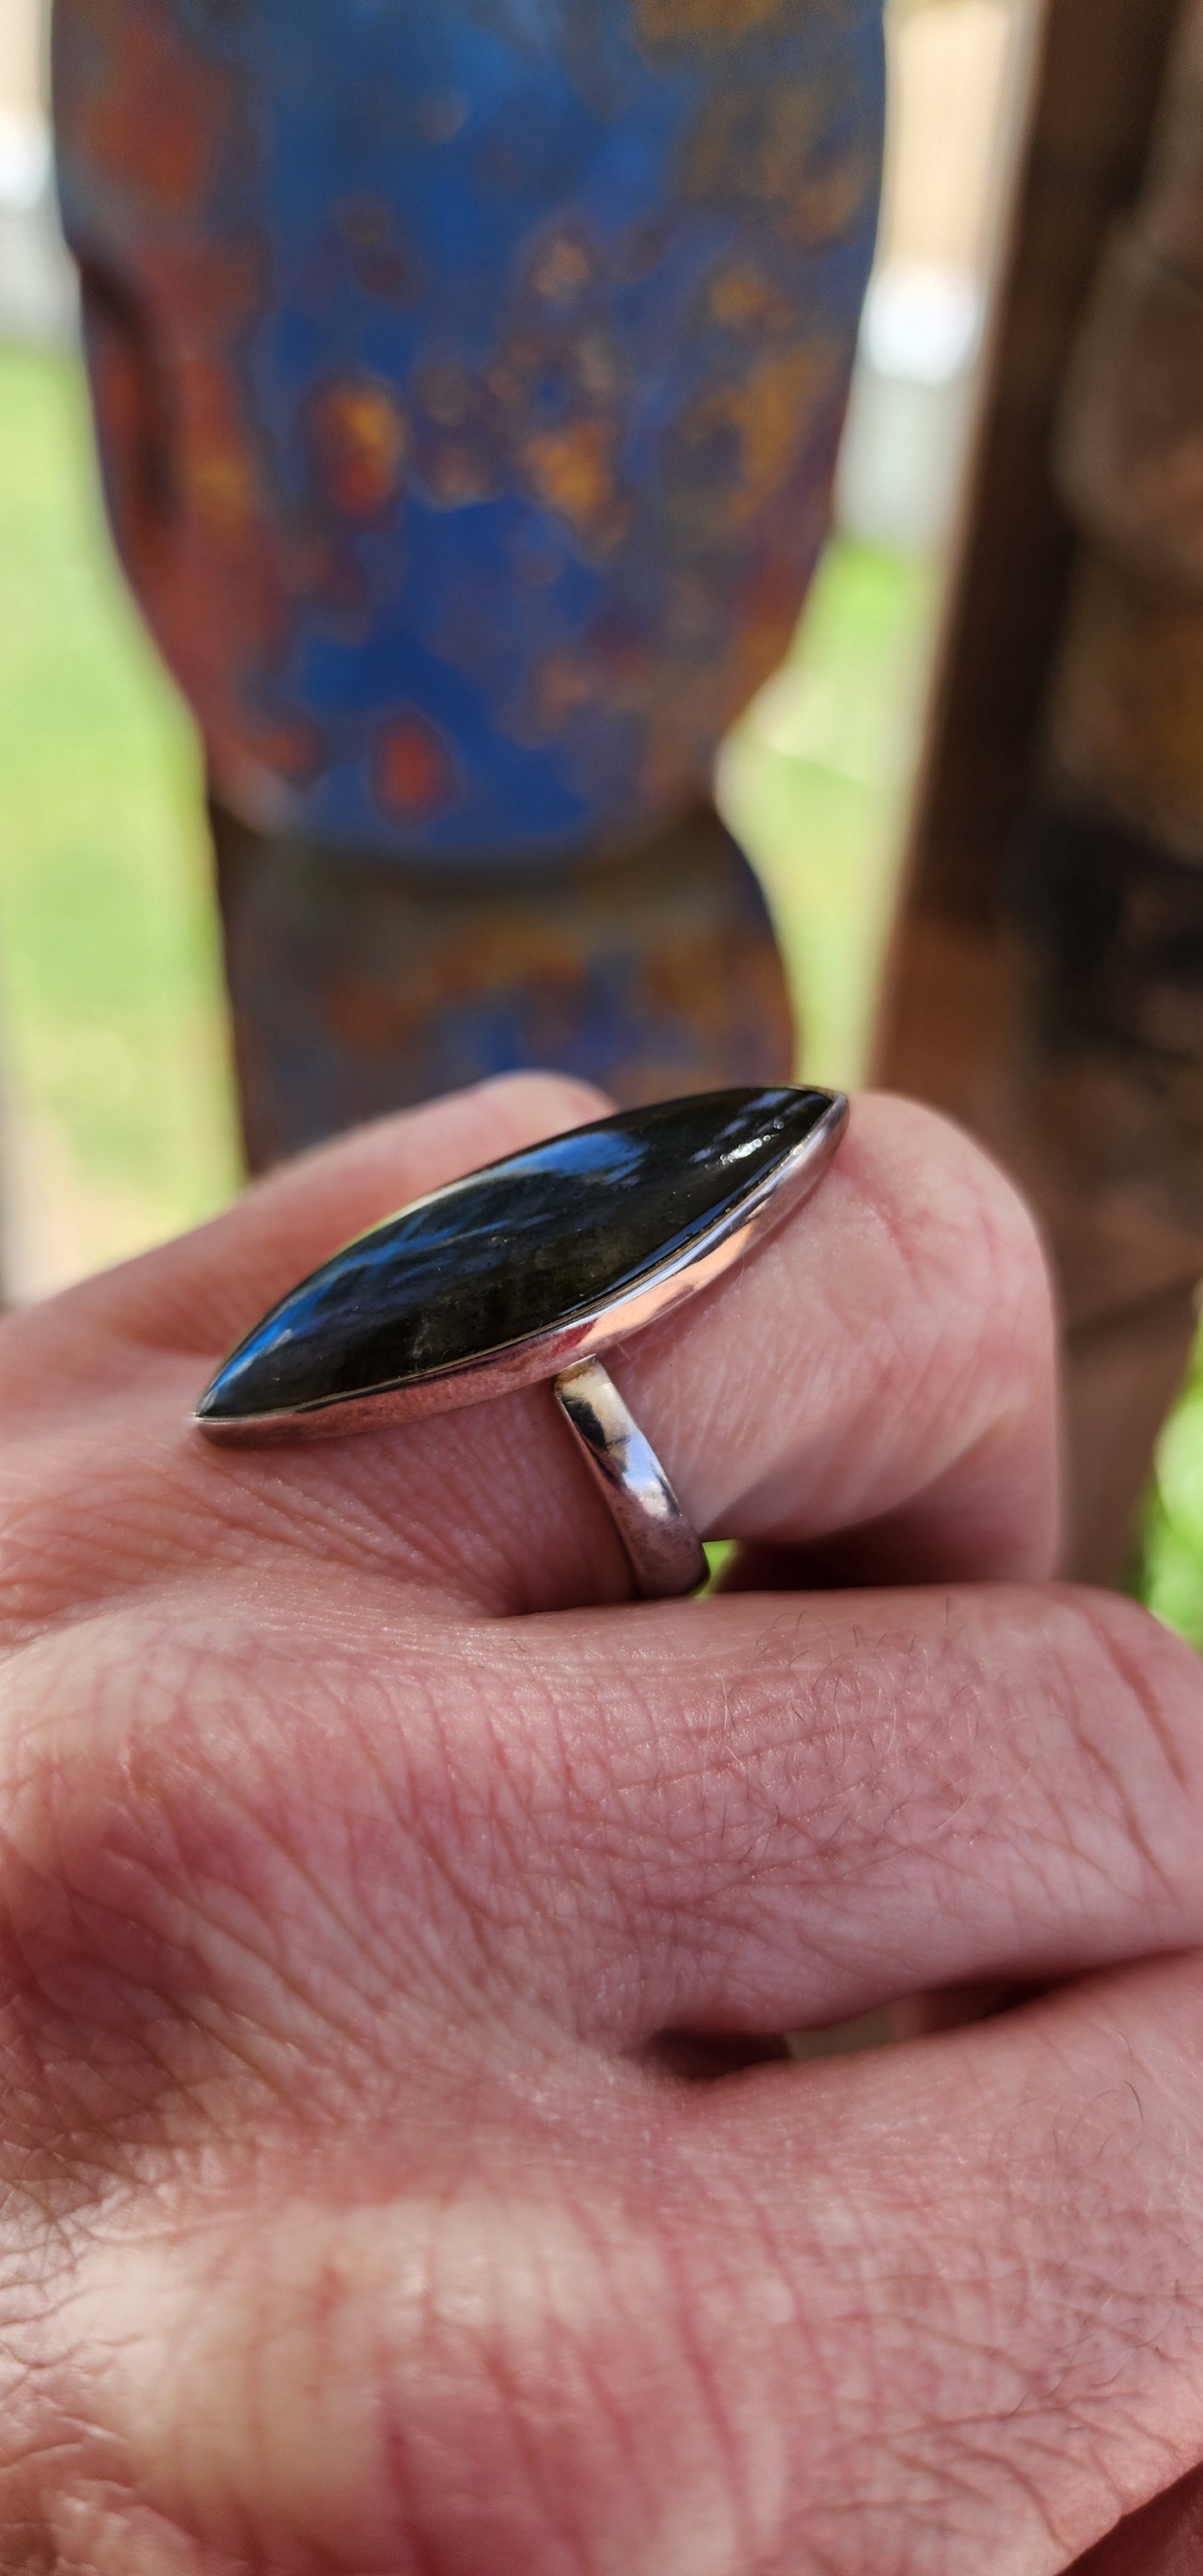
point(374, 1871)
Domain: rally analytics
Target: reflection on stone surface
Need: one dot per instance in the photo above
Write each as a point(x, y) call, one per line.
point(509, 1252)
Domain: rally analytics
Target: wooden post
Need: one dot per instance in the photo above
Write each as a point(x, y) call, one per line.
point(1047, 983)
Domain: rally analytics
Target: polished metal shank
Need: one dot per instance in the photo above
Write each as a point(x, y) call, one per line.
point(665, 1551)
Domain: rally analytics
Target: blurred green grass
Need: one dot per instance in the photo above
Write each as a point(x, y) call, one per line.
point(1172, 1574)
point(113, 1041)
point(111, 1023)
point(815, 780)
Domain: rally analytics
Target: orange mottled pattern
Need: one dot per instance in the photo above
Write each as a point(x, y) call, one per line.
point(704, 22)
point(360, 437)
point(412, 767)
point(468, 405)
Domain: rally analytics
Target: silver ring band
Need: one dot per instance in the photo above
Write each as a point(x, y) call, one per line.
point(667, 1556)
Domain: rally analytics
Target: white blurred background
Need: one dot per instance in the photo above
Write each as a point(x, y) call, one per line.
point(36, 297)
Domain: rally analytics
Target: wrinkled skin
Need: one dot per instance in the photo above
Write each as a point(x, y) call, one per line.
point(362, 1841)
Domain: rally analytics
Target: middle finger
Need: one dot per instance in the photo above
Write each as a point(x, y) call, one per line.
point(778, 1816)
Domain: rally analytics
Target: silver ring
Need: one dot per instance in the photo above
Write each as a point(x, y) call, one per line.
point(667, 1556)
point(524, 1271)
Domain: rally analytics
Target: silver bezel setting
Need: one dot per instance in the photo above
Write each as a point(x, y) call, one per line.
point(545, 1355)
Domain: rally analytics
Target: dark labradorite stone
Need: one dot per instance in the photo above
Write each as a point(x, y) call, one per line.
point(513, 1250)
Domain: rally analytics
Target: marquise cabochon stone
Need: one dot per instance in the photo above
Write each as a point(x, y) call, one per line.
point(515, 1252)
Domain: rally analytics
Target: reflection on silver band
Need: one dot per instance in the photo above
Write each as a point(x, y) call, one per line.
point(665, 1551)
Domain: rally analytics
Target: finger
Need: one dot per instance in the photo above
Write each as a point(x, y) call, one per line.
point(748, 1826)
point(883, 1364)
point(925, 2314)
point(779, 1822)
point(994, 2248)
point(883, 1367)
point(883, 1373)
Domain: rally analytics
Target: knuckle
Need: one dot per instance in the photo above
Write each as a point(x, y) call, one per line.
point(101, 1966)
point(224, 1853)
point(154, 1949)
point(450, 2379)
